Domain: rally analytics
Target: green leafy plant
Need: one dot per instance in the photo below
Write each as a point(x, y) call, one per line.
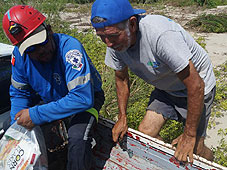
point(210, 23)
point(221, 85)
point(171, 130)
point(201, 42)
point(219, 109)
point(208, 3)
point(220, 153)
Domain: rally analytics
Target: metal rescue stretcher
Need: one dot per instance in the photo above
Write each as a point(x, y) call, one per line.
point(136, 151)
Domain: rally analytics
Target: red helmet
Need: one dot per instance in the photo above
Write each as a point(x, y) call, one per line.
point(21, 20)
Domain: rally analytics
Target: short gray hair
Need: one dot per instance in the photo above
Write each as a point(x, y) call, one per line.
point(123, 25)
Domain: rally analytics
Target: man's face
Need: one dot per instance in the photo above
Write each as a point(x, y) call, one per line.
point(43, 52)
point(115, 38)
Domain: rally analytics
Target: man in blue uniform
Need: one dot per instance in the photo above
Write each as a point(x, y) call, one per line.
point(57, 68)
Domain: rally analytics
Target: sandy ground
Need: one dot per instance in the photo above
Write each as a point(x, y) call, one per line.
point(216, 45)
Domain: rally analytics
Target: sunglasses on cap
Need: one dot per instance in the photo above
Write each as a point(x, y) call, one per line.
point(33, 47)
point(15, 28)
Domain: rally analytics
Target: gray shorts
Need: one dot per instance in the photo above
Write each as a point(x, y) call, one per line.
point(175, 108)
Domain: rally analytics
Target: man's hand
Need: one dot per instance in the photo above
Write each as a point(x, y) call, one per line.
point(185, 147)
point(119, 129)
point(23, 119)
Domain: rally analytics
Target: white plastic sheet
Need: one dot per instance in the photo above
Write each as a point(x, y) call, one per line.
point(22, 149)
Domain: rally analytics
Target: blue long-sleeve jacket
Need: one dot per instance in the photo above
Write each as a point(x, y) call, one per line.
point(66, 84)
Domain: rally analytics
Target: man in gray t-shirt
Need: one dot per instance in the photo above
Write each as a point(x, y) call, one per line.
point(162, 53)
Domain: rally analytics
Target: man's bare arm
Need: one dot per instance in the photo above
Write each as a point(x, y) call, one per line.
point(195, 89)
point(123, 92)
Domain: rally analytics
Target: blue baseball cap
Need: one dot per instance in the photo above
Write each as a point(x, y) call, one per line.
point(112, 11)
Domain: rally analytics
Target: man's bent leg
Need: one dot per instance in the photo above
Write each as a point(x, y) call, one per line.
point(79, 147)
point(159, 110)
point(152, 124)
point(202, 150)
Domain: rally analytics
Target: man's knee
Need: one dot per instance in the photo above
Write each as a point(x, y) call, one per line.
point(79, 156)
point(80, 137)
point(79, 147)
point(144, 129)
point(79, 153)
point(151, 124)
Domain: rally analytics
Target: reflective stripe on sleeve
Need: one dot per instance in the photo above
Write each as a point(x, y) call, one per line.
point(17, 85)
point(94, 112)
point(78, 81)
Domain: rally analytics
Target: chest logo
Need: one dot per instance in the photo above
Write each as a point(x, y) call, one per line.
point(57, 78)
point(74, 57)
point(153, 64)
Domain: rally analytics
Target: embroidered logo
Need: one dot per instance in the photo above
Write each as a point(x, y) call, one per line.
point(74, 57)
point(153, 64)
point(57, 78)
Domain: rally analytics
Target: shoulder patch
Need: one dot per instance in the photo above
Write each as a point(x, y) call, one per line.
point(74, 57)
point(12, 60)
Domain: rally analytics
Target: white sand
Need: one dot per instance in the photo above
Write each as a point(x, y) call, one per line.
point(216, 45)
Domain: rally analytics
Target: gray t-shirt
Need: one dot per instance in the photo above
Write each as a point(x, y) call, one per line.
point(163, 48)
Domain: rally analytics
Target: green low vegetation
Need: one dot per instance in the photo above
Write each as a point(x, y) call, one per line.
point(207, 3)
point(220, 153)
point(210, 23)
point(218, 110)
point(140, 91)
